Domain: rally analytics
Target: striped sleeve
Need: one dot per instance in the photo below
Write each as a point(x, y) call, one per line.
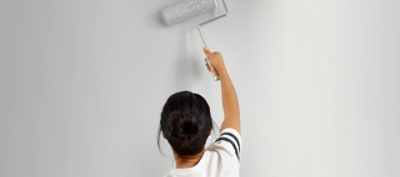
point(231, 140)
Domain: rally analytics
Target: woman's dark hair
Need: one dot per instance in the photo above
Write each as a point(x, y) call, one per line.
point(185, 122)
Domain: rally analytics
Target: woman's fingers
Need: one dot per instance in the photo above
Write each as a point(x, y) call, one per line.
point(208, 67)
point(207, 63)
point(207, 51)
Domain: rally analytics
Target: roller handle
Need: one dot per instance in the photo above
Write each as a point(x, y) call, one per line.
point(210, 68)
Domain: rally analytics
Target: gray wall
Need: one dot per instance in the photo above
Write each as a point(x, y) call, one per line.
point(83, 83)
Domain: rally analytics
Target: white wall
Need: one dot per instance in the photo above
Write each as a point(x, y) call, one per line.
point(83, 82)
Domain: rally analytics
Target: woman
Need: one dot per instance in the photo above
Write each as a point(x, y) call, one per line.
point(186, 124)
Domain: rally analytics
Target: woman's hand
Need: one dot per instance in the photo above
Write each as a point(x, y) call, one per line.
point(214, 62)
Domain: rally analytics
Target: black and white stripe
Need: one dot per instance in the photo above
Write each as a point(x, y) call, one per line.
point(224, 136)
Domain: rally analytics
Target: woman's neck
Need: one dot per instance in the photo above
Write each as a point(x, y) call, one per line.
point(188, 161)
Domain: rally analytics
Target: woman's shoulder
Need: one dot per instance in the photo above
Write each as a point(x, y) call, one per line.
point(227, 145)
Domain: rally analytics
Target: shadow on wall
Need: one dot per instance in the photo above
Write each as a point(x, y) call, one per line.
point(189, 65)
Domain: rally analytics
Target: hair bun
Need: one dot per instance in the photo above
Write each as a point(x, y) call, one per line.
point(189, 127)
point(186, 126)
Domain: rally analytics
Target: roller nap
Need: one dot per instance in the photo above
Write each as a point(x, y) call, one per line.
point(185, 10)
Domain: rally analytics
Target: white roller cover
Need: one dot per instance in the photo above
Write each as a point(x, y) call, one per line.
point(185, 10)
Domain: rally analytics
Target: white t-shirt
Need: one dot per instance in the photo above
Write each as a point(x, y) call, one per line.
point(221, 158)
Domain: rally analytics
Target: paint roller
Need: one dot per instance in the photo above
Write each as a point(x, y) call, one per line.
point(187, 9)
